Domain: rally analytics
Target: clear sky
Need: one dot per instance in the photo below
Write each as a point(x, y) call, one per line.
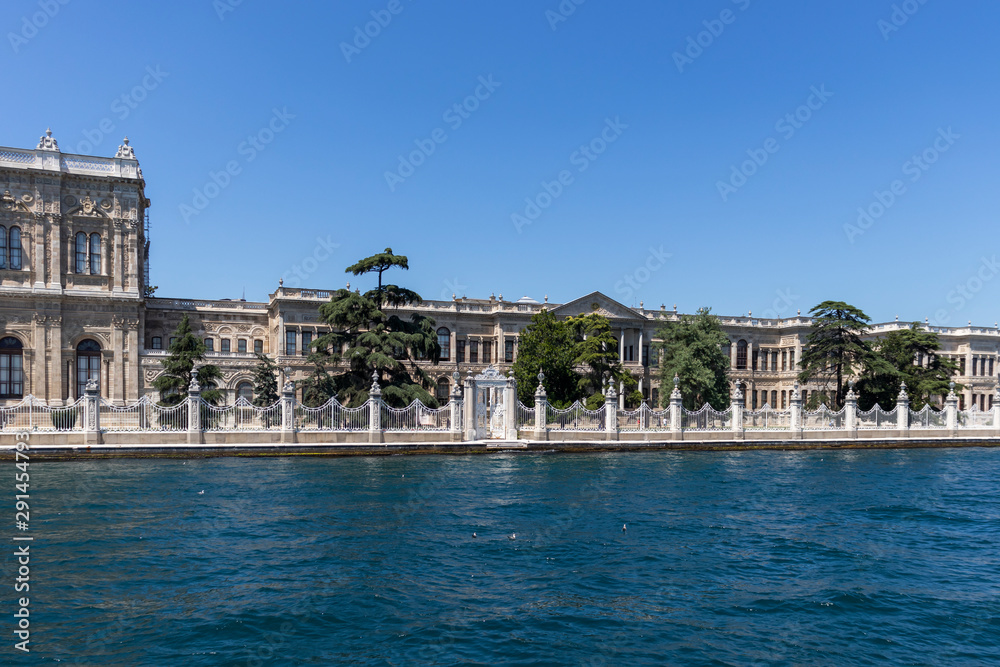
point(704, 153)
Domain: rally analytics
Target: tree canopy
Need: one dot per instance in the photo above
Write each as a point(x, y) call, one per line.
point(185, 352)
point(547, 345)
point(371, 338)
point(893, 360)
point(834, 348)
point(265, 382)
point(596, 352)
point(691, 348)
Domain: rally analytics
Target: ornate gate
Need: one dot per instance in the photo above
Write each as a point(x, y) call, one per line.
point(490, 417)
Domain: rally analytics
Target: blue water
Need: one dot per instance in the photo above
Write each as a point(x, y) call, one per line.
point(830, 558)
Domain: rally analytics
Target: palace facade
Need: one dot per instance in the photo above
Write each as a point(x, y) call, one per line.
point(73, 306)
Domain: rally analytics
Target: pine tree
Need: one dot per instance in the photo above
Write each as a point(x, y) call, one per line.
point(185, 352)
point(265, 382)
point(691, 348)
point(834, 348)
point(547, 345)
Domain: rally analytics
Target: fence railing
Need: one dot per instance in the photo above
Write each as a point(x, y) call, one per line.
point(575, 418)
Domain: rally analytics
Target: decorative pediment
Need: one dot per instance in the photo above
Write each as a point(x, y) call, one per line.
point(599, 303)
point(9, 202)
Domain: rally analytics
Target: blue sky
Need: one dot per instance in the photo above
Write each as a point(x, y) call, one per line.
point(622, 123)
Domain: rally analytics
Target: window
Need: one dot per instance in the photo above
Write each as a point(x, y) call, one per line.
point(741, 355)
point(3, 247)
point(460, 351)
point(307, 339)
point(961, 366)
point(654, 396)
point(289, 342)
point(784, 360)
point(791, 360)
point(156, 343)
point(14, 248)
point(173, 339)
point(225, 345)
point(645, 355)
point(991, 366)
point(487, 348)
point(81, 252)
point(628, 351)
point(258, 347)
point(241, 345)
point(755, 360)
point(88, 365)
point(508, 351)
point(441, 392)
point(95, 254)
point(209, 345)
point(753, 399)
point(782, 398)
point(974, 360)
point(444, 340)
point(244, 390)
point(774, 361)
point(774, 397)
point(11, 368)
point(474, 352)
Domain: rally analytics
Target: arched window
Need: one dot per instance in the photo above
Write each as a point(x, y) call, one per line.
point(774, 398)
point(741, 355)
point(88, 365)
point(95, 254)
point(14, 248)
point(3, 247)
point(81, 252)
point(442, 389)
point(244, 390)
point(444, 340)
point(11, 368)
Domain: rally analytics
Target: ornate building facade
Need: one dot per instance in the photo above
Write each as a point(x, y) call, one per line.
point(73, 306)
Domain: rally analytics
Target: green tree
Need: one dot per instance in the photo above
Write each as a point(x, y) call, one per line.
point(834, 348)
point(265, 382)
point(547, 345)
point(185, 352)
point(691, 348)
point(370, 338)
point(893, 361)
point(596, 351)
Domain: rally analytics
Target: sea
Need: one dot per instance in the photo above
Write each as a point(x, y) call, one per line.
point(847, 557)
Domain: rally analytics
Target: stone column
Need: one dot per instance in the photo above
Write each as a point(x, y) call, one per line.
point(55, 242)
point(996, 410)
point(194, 434)
point(116, 263)
point(34, 261)
point(795, 407)
point(736, 404)
point(621, 345)
point(468, 389)
point(903, 412)
point(611, 413)
point(91, 414)
point(375, 411)
point(676, 405)
point(851, 411)
point(542, 407)
point(510, 408)
point(951, 410)
point(455, 405)
point(288, 412)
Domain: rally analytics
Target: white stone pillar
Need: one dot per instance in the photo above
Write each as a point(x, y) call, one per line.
point(92, 414)
point(611, 413)
point(996, 410)
point(851, 411)
point(469, 391)
point(951, 409)
point(194, 435)
point(676, 405)
point(375, 410)
point(795, 406)
point(736, 408)
point(510, 408)
point(621, 345)
point(455, 404)
point(903, 412)
point(541, 409)
point(288, 412)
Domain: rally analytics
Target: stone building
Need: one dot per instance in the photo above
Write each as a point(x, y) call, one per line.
point(73, 306)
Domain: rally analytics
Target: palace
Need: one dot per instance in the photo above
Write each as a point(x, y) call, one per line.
point(74, 248)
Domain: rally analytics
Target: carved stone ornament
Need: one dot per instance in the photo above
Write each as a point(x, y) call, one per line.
point(47, 143)
point(125, 152)
point(7, 201)
point(69, 200)
point(87, 204)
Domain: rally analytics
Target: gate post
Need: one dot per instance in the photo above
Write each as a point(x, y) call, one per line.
point(456, 406)
point(996, 410)
point(903, 412)
point(676, 405)
point(736, 404)
point(542, 409)
point(469, 389)
point(375, 411)
point(288, 412)
point(951, 410)
point(851, 411)
point(510, 408)
point(611, 413)
point(91, 414)
point(194, 434)
point(796, 409)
